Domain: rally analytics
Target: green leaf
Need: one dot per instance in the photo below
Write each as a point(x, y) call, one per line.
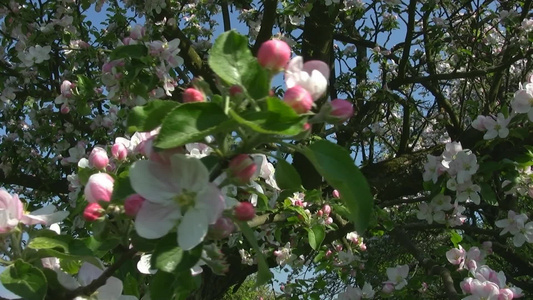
point(316, 235)
point(122, 187)
point(263, 272)
point(488, 194)
point(161, 286)
point(286, 176)
point(25, 280)
point(149, 116)
point(279, 118)
point(167, 256)
point(131, 286)
point(455, 238)
point(132, 51)
point(337, 167)
point(231, 59)
point(190, 122)
point(60, 241)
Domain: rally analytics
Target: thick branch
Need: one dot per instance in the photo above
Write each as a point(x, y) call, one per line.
point(269, 17)
point(35, 182)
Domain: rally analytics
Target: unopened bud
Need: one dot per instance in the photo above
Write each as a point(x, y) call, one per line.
point(92, 212)
point(99, 188)
point(235, 90)
point(336, 194)
point(388, 288)
point(242, 168)
point(328, 221)
point(245, 211)
point(326, 209)
point(119, 151)
point(132, 204)
point(274, 55)
point(299, 99)
point(193, 95)
point(222, 228)
point(65, 109)
point(98, 158)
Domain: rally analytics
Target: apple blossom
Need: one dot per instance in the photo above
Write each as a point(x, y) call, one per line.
point(398, 276)
point(119, 151)
point(177, 195)
point(99, 188)
point(12, 213)
point(456, 256)
point(222, 228)
point(274, 55)
point(313, 76)
point(496, 127)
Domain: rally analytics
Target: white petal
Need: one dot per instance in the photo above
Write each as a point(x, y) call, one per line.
point(111, 290)
point(192, 229)
point(153, 181)
point(69, 282)
point(190, 171)
point(155, 220)
point(144, 265)
point(88, 272)
point(212, 202)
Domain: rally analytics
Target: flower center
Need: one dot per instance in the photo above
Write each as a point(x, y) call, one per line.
point(185, 199)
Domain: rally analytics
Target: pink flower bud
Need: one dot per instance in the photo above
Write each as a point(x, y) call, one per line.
point(466, 285)
point(326, 209)
point(132, 204)
point(505, 294)
point(98, 158)
point(274, 55)
point(299, 99)
point(341, 109)
point(119, 151)
point(319, 213)
point(65, 109)
point(328, 253)
point(307, 126)
point(362, 246)
point(92, 212)
point(328, 221)
point(336, 194)
point(245, 211)
point(338, 248)
point(242, 168)
point(388, 288)
point(193, 95)
point(222, 228)
point(235, 90)
point(66, 87)
point(99, 188)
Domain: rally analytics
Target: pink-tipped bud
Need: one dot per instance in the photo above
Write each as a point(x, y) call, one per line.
point(92, 212)
point(338, 248)
point(341, 109)
point(242, 168)
point(336, 194)
point(235, 90)
point(319, 213)
point(119, 151)
point(137, 32)
point(388, 288)
point(299, 99)
point(245, 211)
point(362, 246)
point(98, 158)
point(328, 253)
point(132, 204)
point(307, 126)
point(328, 221)
point(221, 229)
point(65, 109)
point(99, 188)
point(326, 209)
point(274, 55)
point(193, 95)
point(66, 87)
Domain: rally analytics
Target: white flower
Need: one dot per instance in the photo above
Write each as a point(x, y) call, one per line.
point(312, 76)
point(35, 55)
point(178, 194)
point(496, 127)
point(398, 276)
